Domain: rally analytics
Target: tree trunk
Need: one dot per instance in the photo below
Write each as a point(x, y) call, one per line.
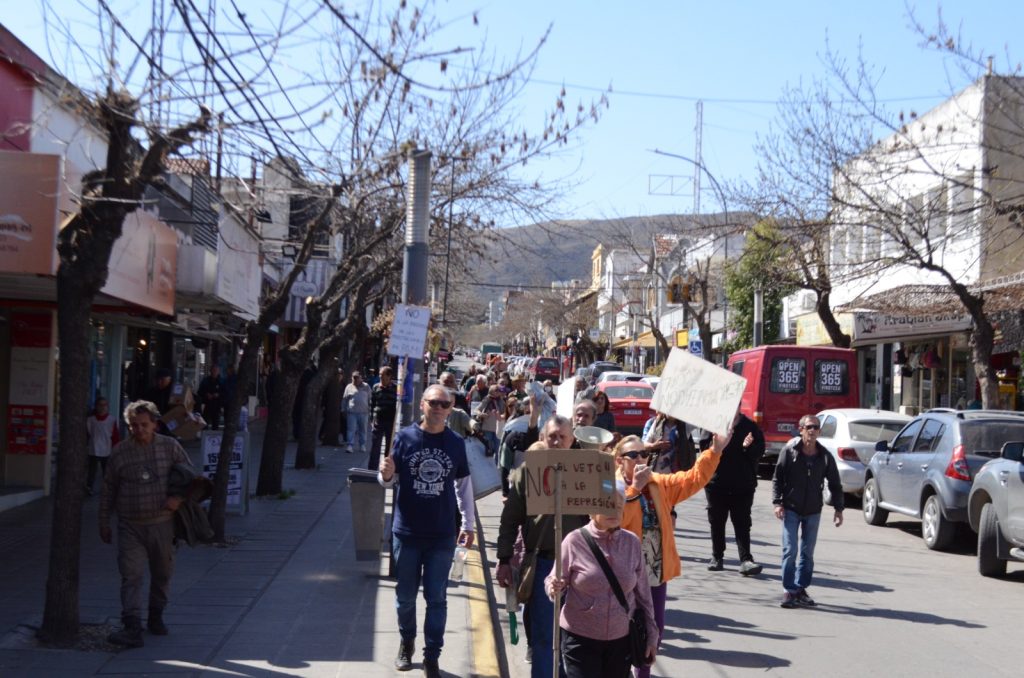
point(60, 615)
point(839, 338)
point(981, 342)
point(312, 406)
point(704, 331)
point(247, 367)
point(279, 424)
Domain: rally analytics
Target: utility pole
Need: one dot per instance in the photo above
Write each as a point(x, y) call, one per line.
point(414, 266)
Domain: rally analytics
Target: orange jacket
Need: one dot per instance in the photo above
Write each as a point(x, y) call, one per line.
point(667, 490)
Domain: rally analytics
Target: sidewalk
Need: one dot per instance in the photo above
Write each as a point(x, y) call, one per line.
point(288, 599)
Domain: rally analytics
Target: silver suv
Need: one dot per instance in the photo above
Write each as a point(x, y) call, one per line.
point(927, 470)
point(996, 510)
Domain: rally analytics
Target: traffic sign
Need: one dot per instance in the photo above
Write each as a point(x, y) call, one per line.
point(696, 347)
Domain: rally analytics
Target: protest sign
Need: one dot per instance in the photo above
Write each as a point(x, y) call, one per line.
point(698, 392)
point(409, 331)
point(587, 482)
point(566, 395)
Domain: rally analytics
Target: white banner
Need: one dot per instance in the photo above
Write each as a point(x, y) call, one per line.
point(698, 392)
point(566, 396)
point(409, 331)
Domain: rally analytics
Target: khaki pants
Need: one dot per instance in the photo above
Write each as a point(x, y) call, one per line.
point(137, 547)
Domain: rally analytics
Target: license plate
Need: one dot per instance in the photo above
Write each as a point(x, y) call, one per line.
point(785, 428)
point(636, 412)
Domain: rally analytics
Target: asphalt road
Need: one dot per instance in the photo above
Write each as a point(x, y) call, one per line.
point(887, 605)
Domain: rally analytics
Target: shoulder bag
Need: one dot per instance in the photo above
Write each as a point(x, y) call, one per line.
point(637, 620)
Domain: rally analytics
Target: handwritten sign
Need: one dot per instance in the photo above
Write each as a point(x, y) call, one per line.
point(409, 331)
point(698, 392)
point(587, 479)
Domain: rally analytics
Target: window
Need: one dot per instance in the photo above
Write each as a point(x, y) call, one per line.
point(737, 367)
point(789, 375)
point(930, 436)
point(831, 377)
point(986, 438)
point(905, 439)
point(873, 431)
point(828, 427)
point(636, 392)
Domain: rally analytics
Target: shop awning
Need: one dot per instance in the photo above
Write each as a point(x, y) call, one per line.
point(1004, 294)
point(645, 340)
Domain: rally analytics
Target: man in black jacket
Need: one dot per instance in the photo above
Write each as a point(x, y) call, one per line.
point(730, 493)
point(803, 467)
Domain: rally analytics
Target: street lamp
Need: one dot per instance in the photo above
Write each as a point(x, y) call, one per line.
point(725, 208)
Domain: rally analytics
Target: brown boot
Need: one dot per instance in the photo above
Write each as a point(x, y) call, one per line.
point(130, 634)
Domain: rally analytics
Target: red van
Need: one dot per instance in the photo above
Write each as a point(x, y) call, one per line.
point(786, 382)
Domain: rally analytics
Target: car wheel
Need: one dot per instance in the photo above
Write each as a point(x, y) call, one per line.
point(935, 529)
point(989, 562)
point(873, 514)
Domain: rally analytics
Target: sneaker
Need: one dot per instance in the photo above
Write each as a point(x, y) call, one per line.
point(788, 601)
point(431, 669)
point(403, 662)
point(130, 634)
point(805, 600)
point(715, 565)
point(749, 568)
point(529, 654)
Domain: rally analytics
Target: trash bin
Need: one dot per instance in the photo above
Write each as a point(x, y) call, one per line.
point(367, 497)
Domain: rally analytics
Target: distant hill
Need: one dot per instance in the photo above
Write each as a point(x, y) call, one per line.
point(539, 254)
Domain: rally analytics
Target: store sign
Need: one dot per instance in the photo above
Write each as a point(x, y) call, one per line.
point(810, 331)
point(144, 263)
point(30, 378)
point(238, 490)
point(876, 326)
point(28, 212)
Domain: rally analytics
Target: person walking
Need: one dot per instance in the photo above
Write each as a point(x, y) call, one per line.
point(803, 467)
point(730, 493)
point(135, 487)
point(355, 403)
point(595, 625)
point(103, 436)
point(650, 499)
point(430, 473)
point(211, 396)
point(605, 418)
point(383, 405)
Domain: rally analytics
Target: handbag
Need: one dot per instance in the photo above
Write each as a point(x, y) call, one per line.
point(637, 620)
point(527, 571)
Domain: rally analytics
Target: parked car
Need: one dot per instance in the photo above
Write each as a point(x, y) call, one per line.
point(653, 381)
point(786, 382)
point(612, 375)
point(927, 470)
point(850, 434)
point(601, 366)
point(996, 510)
point(544, 368)
point(630, 402)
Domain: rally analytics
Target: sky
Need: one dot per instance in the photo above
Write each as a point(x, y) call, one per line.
point(660, 58)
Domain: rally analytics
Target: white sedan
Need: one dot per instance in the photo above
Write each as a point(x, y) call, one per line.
point(850, 434)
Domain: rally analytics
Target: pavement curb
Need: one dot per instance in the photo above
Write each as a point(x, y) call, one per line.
point(488, 644)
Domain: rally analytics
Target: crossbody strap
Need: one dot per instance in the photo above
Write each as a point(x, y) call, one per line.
point(603, 562)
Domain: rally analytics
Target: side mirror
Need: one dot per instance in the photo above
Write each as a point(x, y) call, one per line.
point(882, 446)
point(1014, 451)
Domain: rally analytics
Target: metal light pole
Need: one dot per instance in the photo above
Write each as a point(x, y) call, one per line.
point(414, 268)
point(448, 251)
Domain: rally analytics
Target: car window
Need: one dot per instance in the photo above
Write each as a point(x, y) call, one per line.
point(905, 439)
point(637, 392)
point(986, 437)
point(547, 362)
point(737, 367)
point(789, 375)
point(828, 427)
point(830, 377)
point(930, 435)
point(873, 431)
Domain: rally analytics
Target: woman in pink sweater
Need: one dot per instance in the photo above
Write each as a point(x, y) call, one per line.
point(595, 627)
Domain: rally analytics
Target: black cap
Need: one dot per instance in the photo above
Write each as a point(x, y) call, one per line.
point(163, 372)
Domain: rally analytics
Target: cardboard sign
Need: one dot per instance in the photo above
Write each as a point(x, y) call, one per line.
point(238, 491)
point(587, 478)
point(409, 331)
point(698, 392)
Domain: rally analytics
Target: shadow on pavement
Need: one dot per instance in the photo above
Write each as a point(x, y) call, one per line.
point(848, 585)
point(899, 615)
point(739, 659)
point(697, 621)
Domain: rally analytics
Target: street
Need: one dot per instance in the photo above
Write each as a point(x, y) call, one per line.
point(886, 605)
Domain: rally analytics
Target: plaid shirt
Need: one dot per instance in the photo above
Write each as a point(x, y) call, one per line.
point(135, 484)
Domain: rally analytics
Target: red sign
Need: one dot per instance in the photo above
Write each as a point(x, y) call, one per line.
point(26, 429)
point(31, 330)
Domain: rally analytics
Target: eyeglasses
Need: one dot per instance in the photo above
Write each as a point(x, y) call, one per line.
point(637, 455)
point(810, 427)
point(436, 404)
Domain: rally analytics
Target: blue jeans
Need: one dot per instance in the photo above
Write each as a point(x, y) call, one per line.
point(542, 614)
point(429, 561)
point(796, 575)
point(355, 433)
point(492, 443)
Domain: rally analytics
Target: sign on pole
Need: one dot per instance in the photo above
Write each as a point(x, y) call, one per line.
point(698, 392)
point(586, 479)
point(238, 474)
point(409, 331)
point(696, 347)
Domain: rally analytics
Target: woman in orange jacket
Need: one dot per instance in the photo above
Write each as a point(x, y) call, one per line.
point(648, 511)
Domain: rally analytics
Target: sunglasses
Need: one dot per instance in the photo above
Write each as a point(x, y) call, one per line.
point(811, 427)
point(637, 455)
point(442, 404)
